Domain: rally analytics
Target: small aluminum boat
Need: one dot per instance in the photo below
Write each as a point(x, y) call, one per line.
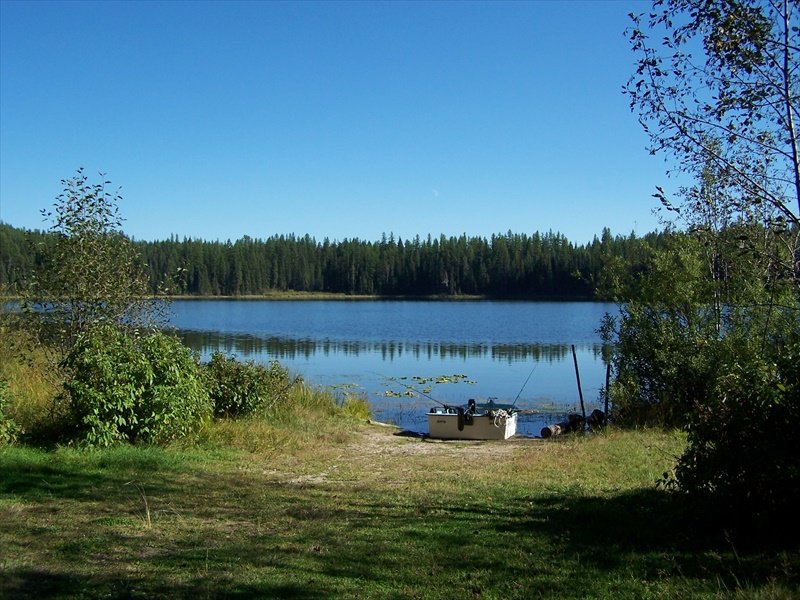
point(473, 422)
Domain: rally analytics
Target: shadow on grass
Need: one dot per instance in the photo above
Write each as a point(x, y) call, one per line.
point(33, 474)
point(242, 535)
point(43, 584)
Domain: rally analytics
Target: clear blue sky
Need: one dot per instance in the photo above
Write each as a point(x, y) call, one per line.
point(338, 120)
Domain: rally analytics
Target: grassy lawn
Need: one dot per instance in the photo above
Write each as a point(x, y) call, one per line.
point(369, 515)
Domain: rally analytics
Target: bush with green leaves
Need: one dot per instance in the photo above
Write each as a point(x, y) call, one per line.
point(662, 366)
point(90, 273)
point(240, 388)
point(743, 457)
point(711, 329)
point(665, 339)
point(719, 358)
point(131, 387)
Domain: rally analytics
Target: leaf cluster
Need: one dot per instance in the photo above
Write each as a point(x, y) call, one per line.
point(716, 90)
point(238, 389)
point(133, 387)
point(742, 457)
point(91, 274)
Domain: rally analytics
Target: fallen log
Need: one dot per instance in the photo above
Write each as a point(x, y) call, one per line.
point(572, 423)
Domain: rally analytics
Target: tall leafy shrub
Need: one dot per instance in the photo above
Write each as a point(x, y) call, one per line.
point(90, 274)
point(138, 388)
point(720, 359)
point(743, 456)
point(241, 388)
point(665, 337)
point(662, 367)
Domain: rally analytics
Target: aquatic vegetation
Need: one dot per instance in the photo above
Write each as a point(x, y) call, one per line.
point(425, 385)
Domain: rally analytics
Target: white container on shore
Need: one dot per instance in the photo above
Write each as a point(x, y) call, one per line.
point(449, 424)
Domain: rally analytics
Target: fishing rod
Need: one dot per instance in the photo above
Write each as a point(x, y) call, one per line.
point(513, 404)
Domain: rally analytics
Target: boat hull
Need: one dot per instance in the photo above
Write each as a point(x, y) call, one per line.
point(490, 426)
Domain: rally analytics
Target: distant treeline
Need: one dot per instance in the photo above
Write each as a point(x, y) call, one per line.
point(510, 265)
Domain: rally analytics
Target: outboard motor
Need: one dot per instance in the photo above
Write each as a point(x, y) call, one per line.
point(470, 412)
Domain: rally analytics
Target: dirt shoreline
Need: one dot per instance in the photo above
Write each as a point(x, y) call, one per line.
point(386, 440)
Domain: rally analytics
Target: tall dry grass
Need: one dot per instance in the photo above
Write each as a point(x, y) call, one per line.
point(34, 385)
point(307, 417)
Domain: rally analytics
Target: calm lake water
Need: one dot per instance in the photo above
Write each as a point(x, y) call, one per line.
point(381, 349)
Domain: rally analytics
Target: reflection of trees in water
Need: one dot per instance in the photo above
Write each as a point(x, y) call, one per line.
point(249, 346)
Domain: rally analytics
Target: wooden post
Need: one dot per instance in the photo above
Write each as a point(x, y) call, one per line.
point(608, 377)
point(578, 377)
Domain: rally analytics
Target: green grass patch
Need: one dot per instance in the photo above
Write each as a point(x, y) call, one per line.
point(366, 513)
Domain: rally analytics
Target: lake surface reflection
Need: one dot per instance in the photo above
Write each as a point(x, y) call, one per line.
point(382, 349)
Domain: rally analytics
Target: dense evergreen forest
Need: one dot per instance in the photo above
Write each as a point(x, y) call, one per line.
point(509, 265)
